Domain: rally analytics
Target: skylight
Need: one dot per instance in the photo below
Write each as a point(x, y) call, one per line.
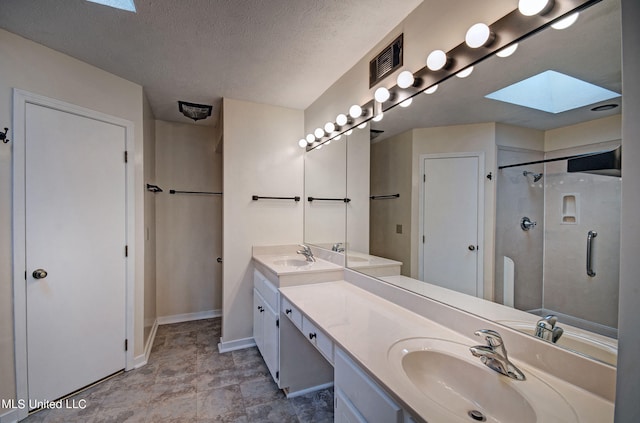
point(552, 92)
point(117, 4)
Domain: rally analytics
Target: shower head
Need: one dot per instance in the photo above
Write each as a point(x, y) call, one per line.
point(536, 176)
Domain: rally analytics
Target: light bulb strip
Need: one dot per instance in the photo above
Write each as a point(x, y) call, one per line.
point(511, 28)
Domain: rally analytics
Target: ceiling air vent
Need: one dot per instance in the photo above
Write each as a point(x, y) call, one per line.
point(386, 62)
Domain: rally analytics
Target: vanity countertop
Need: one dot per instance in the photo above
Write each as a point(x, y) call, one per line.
point(294, 264)
point(367, 326)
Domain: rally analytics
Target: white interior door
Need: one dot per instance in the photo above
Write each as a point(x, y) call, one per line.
point(75, 202)
point(451, 223)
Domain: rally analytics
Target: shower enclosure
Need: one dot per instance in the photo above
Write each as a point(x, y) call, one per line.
point(558, 239)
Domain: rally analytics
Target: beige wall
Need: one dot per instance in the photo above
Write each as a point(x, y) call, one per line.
point(459, 139)
point(150, 314)
point(40, 70)
point(391, 174)
point(189, 227)
point(628, 382)
point(594, 131)
point(261, 157)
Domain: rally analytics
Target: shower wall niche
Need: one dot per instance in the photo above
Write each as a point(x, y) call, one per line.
point(548, 261)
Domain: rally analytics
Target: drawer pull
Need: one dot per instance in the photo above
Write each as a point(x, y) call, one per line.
point(288, 311)
point(312, 335)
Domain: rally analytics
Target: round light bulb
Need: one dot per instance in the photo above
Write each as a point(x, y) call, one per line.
point(382, 94)
point(533, 7)
point(407, 102)
point(319, 133)
point(479, 35)
point(436, 60)
point(310, 138)
point(319, 147)
point(342, 119)
point(405, 79)
point(465, 72)
point(302, 143)
point(338, 138)
point(506, 52)
point(329, 127)
point(566, 22)
point(431, 90)
point(362, 125)
point(378, 117)
point(349, 132)
point(328, 142)
point(355, 111)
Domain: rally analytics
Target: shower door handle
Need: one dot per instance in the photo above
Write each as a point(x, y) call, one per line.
point(590, 236)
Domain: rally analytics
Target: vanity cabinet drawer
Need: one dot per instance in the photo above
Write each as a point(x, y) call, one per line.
point(266, 288)
point(365, 395)
point(318, 338)
point(292, 313)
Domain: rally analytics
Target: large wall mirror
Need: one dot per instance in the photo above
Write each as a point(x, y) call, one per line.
point(447, 215)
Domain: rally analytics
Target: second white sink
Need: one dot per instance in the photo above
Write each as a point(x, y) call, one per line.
point(447, 374)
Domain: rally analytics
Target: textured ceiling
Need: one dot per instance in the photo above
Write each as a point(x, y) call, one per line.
point(279, 52)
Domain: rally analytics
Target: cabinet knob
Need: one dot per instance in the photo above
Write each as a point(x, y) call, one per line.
point(287, 311)
point(312, 335)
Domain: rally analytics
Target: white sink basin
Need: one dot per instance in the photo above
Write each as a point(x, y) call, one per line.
point(575, 342)
point(447, 374)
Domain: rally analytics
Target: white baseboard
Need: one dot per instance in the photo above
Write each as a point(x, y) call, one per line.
point(238, 344)
point(9, 417)
point(187, 317)
point(308, 390)
point(143, 359)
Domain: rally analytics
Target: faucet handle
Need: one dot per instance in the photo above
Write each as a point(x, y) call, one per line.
point(492, 337)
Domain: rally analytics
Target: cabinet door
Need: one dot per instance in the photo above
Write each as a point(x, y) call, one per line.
point(258, 320)
point(270, 351)
point(345, 412)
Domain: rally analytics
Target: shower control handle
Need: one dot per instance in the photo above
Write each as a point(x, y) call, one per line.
point(526, 224)
point(590, 236)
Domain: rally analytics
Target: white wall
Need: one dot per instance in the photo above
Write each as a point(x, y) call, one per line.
point(189, 227)
point(325, 176)
point(261, 157)
point(35, 68)
point(150, 313)
point(628, 381)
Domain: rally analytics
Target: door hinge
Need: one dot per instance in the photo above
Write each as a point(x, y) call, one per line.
point(126, 345)
point(277, 323)
point(126, 251)
point(423, 239)
point(278, 375)
point(126, 157)
point(424, 177)
point(25, 275)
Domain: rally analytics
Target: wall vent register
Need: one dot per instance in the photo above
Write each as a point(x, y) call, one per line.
point(387, 61)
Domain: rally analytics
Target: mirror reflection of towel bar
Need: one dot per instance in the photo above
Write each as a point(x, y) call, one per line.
point(384, 197)
point(590, 236)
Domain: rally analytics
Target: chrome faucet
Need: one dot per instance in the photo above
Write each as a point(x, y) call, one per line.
point(546, 329)
point(338, 247)
point(306, 251)
point(494, 359)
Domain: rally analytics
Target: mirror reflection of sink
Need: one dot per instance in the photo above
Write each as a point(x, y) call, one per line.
point(573, 341)
point(446, 373)
point(291, 262)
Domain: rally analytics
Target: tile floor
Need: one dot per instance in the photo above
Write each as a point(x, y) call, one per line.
point(187, 380)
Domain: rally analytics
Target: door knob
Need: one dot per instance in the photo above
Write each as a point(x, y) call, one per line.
point(39, 274)
point(472, 247)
